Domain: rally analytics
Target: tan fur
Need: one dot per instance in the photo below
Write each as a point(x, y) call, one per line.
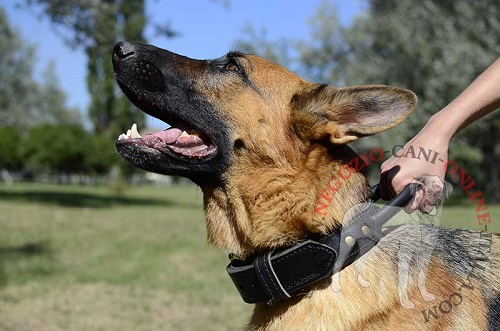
point(325, 310)
point(284, 151)
point(274, 182)
point(271, 189)
point(375, 307)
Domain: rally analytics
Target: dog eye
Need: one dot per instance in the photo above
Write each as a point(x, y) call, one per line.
point(231, 66)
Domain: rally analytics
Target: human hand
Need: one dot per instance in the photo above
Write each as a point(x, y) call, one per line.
point(409, 164)
point(422, 160)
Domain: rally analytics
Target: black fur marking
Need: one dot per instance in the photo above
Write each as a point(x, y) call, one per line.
point(239, 144)
point(232, 54)
point(161, 83)
point(455, 255)
point(494, 314)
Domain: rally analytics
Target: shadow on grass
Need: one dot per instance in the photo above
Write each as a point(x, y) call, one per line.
point(79, 199)
point(25, 262)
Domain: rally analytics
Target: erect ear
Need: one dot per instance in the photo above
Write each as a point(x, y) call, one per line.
point(344, 114)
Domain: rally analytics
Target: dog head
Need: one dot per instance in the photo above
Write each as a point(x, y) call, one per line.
point(260, 141)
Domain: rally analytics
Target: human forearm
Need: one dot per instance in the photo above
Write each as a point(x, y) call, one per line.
point(479, 99)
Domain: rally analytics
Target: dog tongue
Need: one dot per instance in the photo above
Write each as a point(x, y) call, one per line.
point(178, 136)
point(169, 136)
point(188, 140)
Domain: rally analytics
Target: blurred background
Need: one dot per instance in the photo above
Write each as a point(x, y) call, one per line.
point(87, 242)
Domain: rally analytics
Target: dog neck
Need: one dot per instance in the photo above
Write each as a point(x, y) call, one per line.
point(273, 207)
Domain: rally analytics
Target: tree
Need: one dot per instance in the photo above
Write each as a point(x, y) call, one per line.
point(59, 148)
point(96, 26)
point(435, 48)
point(24, 102)
point(15, 76)
point(99, 157)
point(256, 42)
point(9, 148)
point(51, 101)
point(432, 47)
point(109, 113)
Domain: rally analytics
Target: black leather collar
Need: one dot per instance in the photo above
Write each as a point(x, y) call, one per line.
point(279, 275)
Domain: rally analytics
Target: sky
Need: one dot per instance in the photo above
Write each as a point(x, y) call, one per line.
point(208, 29)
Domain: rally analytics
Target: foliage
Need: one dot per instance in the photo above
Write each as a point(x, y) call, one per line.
point(96, 26)
point(9, 144)
point(51, 103)
point(256, 43)
point(55, 148)
point(100, 155)
point(24, 102)
point(46, 149)
point(111, 113)
point(433, 47)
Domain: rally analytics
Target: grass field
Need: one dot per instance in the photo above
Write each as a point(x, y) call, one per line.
point(83, 258)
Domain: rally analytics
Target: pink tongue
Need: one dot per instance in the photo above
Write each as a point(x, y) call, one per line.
point(169, 136)
point(188, 141)
point(172, 136)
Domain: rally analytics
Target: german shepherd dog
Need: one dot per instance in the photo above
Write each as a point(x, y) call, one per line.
point(262, 143)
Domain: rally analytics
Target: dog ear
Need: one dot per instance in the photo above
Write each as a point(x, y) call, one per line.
point(342, 115)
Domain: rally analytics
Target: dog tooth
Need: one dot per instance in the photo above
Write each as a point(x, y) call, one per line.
point(184, 134)
point(134, 133)
point(129, 133)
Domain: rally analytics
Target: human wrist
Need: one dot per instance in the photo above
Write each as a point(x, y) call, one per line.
point(439, 128)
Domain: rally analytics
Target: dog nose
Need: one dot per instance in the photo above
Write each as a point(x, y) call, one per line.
point(123, 49)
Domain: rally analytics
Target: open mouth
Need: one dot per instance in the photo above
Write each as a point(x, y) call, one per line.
point(180, 141)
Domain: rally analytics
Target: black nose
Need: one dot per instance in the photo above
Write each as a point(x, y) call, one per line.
point(123, 49)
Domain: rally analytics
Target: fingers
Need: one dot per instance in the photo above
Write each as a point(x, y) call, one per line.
point(387, 191)
point(429, 195)
point(416, 202)
point(392, 182)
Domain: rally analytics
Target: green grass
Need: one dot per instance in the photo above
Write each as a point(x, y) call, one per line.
point(456, 216)
point(82, 258)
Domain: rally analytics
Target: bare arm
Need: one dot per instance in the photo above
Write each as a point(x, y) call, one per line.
point(478, 99)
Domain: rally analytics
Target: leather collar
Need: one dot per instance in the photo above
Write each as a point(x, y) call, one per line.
point(282, 274)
